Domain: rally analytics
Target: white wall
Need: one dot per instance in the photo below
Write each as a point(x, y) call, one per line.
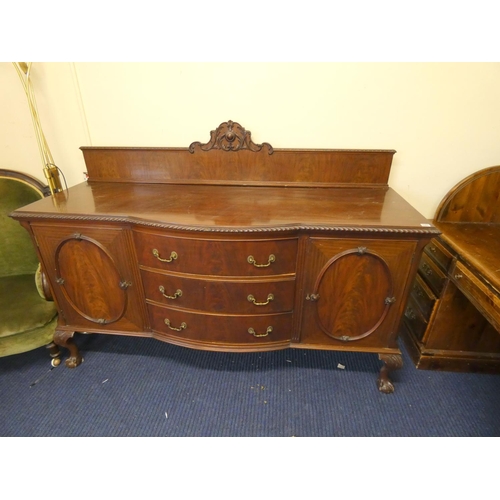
point(442, 118)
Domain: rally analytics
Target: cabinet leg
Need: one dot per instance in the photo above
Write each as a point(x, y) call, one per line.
point(391, 362)
point(65, 339)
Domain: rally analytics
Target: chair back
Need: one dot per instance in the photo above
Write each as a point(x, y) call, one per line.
point(17, 255)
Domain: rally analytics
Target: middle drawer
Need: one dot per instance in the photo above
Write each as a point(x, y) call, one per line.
point(220, 296)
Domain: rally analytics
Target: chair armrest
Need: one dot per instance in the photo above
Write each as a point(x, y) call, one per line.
point(42, 285)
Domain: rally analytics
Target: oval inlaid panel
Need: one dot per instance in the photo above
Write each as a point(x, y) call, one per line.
point(353, 288)
point(91, 281)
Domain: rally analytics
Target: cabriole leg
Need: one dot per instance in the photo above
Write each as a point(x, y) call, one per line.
point(391, 362)
point(65, 339)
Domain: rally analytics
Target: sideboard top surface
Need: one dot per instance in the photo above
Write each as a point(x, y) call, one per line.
point(234, 208)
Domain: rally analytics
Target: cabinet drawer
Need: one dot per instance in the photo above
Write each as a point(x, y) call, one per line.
point(423, 296)
point(485, 299)
point(432, 274)
point(189, 326)
point(216, 257)
point(220, 296)
point(414, 320)
point(439, 254)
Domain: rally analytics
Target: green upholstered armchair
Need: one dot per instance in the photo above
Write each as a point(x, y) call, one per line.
point(27, 317)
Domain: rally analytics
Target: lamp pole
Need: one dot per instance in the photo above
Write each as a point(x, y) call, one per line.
point(50, 169)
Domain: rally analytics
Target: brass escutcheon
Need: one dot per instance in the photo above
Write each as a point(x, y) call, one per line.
point(125, 284)
point(312, 297)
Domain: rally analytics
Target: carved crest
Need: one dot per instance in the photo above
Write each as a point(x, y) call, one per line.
point(230, 136)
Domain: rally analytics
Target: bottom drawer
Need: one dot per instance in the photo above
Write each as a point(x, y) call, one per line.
point(224, 330)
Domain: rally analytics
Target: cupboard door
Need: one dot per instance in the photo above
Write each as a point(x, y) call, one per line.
point(92, 276)
point(354, 291)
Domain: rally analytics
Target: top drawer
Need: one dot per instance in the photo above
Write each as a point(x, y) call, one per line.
point(439, 254)
point(222, 257)
point(432, 274)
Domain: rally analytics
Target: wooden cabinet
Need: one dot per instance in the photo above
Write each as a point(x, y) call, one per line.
point(93, 276)
point(452, 318)
point(233, 246)
point(354, 291)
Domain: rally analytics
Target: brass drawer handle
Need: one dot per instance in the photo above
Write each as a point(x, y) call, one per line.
point(427, 269)
point(178, 293)
point(251, 260)
point(182, 327)
point(459, 276)
point(173, 256)
point(251, 298)
point(269, 329)
point(410, 313)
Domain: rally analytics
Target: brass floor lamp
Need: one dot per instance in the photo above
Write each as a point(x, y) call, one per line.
point(50, 170)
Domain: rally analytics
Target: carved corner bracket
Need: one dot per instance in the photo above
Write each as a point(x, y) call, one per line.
point(230, 136)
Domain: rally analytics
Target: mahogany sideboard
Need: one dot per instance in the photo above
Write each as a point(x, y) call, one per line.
point(232, 246)
point(452, 320)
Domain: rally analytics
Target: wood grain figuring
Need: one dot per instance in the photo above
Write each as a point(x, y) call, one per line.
point(91, 280)
point(477, 244)
point(222, 329)
point(217, 257)
point(284, 167)
point(486, 300)
point(220, 296)
point(475, 199)
point(352, 290)
point(92, 286)
point(235, 209)
point(357, 310)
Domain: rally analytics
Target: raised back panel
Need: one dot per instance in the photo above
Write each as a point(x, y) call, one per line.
point(231, 157)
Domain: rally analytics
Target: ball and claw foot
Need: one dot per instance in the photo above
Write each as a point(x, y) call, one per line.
point(65, 339)
point(385, 385)
point(73, 361)
point(391, 362)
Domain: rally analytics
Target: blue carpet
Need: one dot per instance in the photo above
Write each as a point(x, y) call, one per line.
point(143, 387)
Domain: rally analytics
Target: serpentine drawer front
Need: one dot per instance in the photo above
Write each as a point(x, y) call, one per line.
point(224, 291)
point(233, 246)
point(230, 332)
point(221, 295)
point(221, 257)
